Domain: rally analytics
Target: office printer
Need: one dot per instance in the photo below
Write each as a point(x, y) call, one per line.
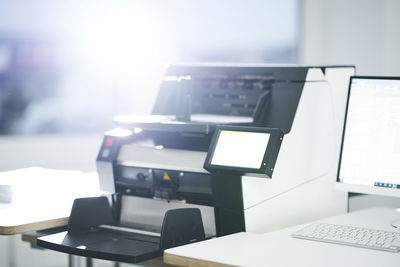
point(153, 164)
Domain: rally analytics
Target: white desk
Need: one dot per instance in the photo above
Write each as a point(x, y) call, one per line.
point(279, 249)
point(42, 198)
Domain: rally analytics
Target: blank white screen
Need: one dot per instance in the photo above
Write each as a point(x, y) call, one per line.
point(240, 149)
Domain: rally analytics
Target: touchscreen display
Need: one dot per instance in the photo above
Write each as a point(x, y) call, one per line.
point(240, 149)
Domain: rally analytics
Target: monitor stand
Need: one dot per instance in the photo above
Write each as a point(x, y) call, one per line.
point(396, 223)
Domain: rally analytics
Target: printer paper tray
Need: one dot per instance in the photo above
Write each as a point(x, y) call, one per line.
point(102, 245)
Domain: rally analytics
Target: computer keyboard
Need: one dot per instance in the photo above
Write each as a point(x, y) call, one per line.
point(351, 236)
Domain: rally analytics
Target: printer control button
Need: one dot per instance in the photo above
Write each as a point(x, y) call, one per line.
point(109, 142)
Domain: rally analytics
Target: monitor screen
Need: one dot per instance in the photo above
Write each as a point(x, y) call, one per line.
point(370, 158)
point(240, 149)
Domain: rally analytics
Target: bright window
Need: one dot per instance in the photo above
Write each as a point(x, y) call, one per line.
point(70, 66)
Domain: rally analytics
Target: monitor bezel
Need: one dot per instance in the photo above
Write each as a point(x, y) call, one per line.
point(269, 158)
point(355, 188)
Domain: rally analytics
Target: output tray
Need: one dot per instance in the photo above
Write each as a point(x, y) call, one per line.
point(102, 245)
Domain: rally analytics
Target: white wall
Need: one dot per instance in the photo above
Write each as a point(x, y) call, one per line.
point(4, 251)
point(361, 32)
point(365, 33)
point(58, 151)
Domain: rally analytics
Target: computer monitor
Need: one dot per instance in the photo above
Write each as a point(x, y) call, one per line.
point(370, 152)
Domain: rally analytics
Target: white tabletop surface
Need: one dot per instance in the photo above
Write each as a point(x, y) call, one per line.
point(279, 249)
point(42, 198)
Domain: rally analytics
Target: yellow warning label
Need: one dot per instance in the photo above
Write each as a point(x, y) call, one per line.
point(166, 177)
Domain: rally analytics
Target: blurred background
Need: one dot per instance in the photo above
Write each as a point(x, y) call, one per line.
point(68, 66)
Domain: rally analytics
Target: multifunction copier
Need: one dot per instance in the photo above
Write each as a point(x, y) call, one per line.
point(158, 163)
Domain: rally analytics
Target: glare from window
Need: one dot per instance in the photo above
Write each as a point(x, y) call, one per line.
point(71, 66)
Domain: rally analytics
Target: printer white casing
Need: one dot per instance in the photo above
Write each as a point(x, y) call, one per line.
point(302, 186)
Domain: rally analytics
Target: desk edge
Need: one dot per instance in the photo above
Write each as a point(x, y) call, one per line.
point(35, 226)
point(187, 261)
